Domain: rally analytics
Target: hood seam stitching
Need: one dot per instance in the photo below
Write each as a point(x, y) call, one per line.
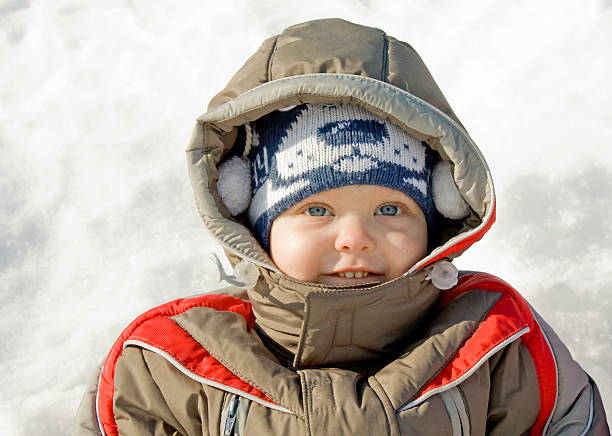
point(385, 64)
point(270, 60)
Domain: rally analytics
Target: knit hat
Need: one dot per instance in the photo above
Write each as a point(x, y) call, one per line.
point(302, 150)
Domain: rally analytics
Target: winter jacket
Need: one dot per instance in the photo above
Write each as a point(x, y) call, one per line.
point(295, 358)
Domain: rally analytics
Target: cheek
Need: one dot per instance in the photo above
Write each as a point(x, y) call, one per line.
point(404, 249)
point(295, 253)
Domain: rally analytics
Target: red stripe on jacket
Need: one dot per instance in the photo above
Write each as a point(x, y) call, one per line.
point(158, 316)
point(502, 322)
point(534, 340)
point(166, 335)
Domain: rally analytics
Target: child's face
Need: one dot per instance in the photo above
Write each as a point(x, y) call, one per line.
point(349, 236)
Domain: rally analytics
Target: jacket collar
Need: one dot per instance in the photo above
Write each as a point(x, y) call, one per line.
point(322, 326)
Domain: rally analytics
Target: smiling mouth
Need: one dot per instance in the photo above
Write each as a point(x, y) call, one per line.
point(352, 278)
point(353, 274)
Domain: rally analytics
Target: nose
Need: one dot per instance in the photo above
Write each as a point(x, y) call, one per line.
point(354, 236)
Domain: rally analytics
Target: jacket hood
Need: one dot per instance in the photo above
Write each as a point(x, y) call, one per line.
point(333, 61)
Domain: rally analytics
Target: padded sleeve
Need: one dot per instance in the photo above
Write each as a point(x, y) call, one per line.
point(86, 420)
point(579, 408)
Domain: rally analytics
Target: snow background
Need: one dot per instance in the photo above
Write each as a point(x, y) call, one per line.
point(97, 220)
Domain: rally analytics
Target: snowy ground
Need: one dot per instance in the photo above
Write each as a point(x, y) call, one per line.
point(97, 220)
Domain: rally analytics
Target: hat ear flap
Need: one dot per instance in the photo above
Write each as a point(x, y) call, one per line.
point(446, 196)
point(234, 184)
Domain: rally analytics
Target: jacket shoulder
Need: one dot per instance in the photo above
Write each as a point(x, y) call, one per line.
point(534, 339)
point(568, 397)
point(157, 330)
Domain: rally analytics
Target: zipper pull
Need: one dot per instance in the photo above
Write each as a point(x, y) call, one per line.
point(232, 414)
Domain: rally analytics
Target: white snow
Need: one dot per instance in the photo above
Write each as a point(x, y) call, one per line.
point(98, 223)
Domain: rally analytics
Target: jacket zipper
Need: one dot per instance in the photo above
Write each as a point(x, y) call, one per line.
point(232, 414)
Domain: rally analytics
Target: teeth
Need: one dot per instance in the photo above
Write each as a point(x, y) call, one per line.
point(351, 274)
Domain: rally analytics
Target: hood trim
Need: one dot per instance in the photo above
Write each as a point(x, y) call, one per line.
point(409, 112)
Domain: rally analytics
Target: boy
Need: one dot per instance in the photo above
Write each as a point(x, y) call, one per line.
point(351, 319)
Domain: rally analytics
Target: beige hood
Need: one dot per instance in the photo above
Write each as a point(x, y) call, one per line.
point(334, 61)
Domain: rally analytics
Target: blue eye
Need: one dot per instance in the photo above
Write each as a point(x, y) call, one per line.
point(388, 210)
point(317, 211)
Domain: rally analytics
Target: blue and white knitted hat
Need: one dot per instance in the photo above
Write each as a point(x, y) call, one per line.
point(310, 148)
